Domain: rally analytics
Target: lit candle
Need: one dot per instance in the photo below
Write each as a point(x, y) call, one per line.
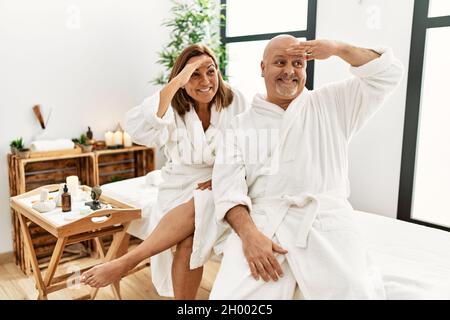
point(72, 185)
point(109, 138)
point(118, 138)
point(127, 140)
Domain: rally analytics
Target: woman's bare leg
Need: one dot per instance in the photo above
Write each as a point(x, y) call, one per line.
point(185, 281)
point(174, 227)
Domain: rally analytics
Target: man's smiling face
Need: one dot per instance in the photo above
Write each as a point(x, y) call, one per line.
point(284, 74)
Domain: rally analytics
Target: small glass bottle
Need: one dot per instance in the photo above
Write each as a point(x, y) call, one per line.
point(66, 200)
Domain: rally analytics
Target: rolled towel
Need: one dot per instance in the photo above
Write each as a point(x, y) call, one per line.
point(154, 178)
point(51, 145)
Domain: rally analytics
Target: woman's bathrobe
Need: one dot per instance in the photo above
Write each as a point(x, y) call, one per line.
point(190, 154)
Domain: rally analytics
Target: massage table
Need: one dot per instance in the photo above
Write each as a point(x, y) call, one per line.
point(414, 260)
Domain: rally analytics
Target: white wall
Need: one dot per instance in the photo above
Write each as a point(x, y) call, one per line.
point(90, 68)
point(375, 154)
point(92, 74)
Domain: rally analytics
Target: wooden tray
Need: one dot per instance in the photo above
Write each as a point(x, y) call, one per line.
point(120, 213)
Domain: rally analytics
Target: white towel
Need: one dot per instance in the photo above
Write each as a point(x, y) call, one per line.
point(50, 145)
point(153, 178)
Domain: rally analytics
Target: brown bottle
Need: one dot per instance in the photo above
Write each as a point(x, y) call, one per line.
point(66, 200)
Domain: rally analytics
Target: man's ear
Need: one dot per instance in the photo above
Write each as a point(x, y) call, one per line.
point(262, 68)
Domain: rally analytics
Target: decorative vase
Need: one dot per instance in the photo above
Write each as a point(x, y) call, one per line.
point(86, 147)
point(24, 153)
point(89, 134)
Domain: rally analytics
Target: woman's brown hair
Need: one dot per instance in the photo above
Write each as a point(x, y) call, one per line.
point(181, 101)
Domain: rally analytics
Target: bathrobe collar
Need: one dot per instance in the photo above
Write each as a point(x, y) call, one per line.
point(288, 118)
point(261, 104)
point(203, 143)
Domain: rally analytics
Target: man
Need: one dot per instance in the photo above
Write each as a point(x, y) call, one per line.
point(289, 212)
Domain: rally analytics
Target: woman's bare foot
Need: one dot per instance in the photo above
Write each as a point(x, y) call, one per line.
point(104, 274)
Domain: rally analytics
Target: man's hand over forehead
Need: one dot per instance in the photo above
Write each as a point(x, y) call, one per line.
point(314, 49)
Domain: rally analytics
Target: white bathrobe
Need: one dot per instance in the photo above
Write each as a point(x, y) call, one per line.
point(190, 154)
point(297, 189)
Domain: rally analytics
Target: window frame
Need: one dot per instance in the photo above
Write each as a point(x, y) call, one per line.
point(421, 23)
point(309, 34)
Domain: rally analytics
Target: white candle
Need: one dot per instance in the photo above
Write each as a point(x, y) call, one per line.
point(72, 185)
point(44, 195)
point(109, 138)
point(127, 140)
point(118, 138)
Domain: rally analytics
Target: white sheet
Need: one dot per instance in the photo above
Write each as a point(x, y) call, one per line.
point(414, 260)
point(137, 193)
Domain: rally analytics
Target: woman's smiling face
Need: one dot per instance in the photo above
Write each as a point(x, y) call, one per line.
point(203, 85)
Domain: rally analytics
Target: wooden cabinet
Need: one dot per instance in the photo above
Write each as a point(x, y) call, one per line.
point(113, 165)
point(92, 168)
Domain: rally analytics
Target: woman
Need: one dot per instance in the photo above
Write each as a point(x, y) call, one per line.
point(186, 118)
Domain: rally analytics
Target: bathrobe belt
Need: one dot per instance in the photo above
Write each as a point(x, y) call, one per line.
point(277, 208)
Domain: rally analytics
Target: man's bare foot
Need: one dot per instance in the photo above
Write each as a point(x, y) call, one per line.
point(104, 274)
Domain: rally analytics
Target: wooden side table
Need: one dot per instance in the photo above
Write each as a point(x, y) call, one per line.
point(45, 168)
point(113, 221)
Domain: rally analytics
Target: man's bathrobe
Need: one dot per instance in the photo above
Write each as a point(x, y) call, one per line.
point(297, 188)
point(190, 154)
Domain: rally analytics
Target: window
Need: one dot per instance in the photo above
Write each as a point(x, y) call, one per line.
point(250, 24)
point(425, 173)
point(439, 8)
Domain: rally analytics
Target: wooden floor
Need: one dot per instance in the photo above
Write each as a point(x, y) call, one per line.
point(14, 285)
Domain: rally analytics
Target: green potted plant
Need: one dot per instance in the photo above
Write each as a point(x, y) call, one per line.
point(18, 148)
point(14, 144)
point(193, 22)
point(84, 143)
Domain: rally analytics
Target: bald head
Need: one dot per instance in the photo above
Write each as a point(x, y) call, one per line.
point(279, 42)
point(284, 72)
